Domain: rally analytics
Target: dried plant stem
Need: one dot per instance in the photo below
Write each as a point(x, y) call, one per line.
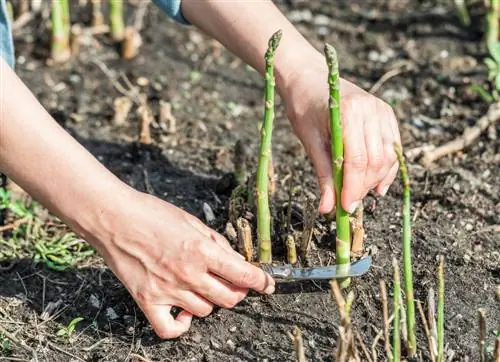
point(440, 311)
point(298, 344)
point(483, 354)
point(346, 351)
point(385, 314)
point(240, 165)
point(469, 135)
point(396, 341)
point(60, 50)
point(427, 331)
point(245, 238)
point(431, 317)
point(407, 264)
point(263, 209)
point(496, 353)
point(116, 20)
point(309, 218)
point(343, 242)
point(97, 18)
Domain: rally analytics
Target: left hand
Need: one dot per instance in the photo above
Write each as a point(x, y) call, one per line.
point(369, 130)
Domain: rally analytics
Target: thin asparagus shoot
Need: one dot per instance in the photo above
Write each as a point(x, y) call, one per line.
point(396, 341)
point(263, 211)
point(492, 26)
point(407, 266)
point(66, 18)
point(60, 50)
point(116, 20)
point(440, 312)
point(343, 242)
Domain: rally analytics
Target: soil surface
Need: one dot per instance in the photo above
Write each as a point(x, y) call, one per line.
point(216, 101)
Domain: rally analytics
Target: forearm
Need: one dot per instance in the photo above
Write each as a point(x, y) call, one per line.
point(49, 164)
point(244, 28)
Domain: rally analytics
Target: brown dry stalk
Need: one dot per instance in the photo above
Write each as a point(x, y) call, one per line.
point(14, 224)
point(363, 347)
point(298, 344)
point(245, 238)
point(346, 350)
point(357, 232)
point(122, 107)
point(483, 354)
point(468, 136)
point(145, 120)
point(385, 314)
point(97, 18)
point(167, 118)
point(427, 331)
point(131, 43)
point(309, 219)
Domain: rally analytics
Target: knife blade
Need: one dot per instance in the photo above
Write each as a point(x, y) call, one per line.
point(318, 273)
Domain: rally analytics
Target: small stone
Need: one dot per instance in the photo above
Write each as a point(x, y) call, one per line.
point(467, 258)
point(373, 56)
point(232, 329)
point(209, 213)
point(196, 338)
point(94, 301)
point(214, 343)
point(321, 20)
point(231, 344)
point(456, 186)
point(444, 54)
point(111, 314)
point(142, 81)
point(300, 15)
point(469, 227)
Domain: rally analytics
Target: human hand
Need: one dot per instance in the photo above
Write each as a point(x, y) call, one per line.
point(369, 131)
point(167, 257)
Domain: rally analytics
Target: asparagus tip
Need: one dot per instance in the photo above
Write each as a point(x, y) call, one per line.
point(331, 58)
point(274, 41)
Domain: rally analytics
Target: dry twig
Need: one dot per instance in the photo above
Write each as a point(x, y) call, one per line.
point(483, 354)
point(468, 136)
point(385, 313)
point(427, 332)
point(298, 344)
point(245, 238)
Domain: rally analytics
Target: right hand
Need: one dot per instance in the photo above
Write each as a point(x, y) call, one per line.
point(167, 257)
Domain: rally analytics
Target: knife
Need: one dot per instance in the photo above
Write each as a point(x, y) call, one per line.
point(317, 273)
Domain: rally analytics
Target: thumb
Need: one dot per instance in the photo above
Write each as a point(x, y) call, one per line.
point(163, 322)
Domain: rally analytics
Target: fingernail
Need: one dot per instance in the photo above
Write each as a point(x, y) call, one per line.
point(353, 207)
point(269, 289)
point(384, 191)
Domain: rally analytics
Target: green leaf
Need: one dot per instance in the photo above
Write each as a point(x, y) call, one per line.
point(483, 93)
point(62, 332)
point(494, 49)
point(491, 64)
point(73, 323)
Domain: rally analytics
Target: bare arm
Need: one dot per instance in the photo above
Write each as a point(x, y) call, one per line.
point(164, 256)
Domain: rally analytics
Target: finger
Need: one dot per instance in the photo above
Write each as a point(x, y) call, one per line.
point(355, 164)
point(320, 155)
point(220, 292)
point(377, 167)
point(164, 323)
point(238, 272)
point(194, 303)
point(383, 187)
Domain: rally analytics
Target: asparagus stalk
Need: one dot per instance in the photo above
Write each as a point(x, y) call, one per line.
point(60, 50)
point(440, 316)
point(407, 270)
point(66, 17)
point(396, 342)
point(263, 212)
point(343, 244)
point(492, 28)
point(116, 20)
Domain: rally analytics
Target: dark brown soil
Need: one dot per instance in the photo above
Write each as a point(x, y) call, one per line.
point(216, 102)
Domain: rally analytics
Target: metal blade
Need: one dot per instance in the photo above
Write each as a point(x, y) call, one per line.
point(329, 272)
